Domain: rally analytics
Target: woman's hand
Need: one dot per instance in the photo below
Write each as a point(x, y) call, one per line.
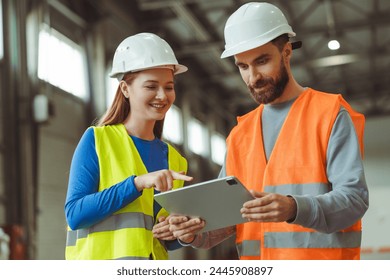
point(161, 180)
point(161, 230)
point(185, 228)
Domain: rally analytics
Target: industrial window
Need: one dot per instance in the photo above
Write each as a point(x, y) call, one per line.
point(111, 88)
point(1, 32)
point(218, 148)
point(61, 63)
point(173, 129)
point(198, 137)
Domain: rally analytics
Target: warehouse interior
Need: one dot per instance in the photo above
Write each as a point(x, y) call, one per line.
point(55, 56)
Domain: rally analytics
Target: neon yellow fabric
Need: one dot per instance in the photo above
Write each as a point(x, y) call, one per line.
point(119, 159)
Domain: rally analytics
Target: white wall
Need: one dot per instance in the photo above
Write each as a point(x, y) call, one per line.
point(57, 141)
point(376, 222)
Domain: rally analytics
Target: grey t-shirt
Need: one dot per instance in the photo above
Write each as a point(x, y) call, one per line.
point(272, 120)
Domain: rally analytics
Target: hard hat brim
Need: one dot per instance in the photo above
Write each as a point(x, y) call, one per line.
point(178, 69)
point(295, 45)
point(258, 41)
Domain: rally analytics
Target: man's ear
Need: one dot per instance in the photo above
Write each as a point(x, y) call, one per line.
point(124, 89)
point(287, 51)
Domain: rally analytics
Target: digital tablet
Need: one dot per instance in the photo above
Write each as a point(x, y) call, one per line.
point(217, 201)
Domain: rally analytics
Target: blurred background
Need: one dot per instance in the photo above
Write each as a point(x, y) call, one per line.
point(55, 56)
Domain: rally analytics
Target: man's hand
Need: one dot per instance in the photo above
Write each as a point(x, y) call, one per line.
point(185, 228)
point(269, 207)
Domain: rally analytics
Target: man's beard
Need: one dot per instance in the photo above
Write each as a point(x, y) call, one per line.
point(267, 89)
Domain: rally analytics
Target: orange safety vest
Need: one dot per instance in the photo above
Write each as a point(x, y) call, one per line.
point(297, 164)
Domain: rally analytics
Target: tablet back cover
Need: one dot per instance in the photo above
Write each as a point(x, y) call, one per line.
point(217, 201)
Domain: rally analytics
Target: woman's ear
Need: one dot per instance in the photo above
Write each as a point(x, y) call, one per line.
point(124, 89)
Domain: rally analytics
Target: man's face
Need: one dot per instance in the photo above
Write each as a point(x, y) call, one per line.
point(264, 72)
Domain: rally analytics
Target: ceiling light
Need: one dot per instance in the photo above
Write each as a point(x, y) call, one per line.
point(333, 45)
point(334, 60)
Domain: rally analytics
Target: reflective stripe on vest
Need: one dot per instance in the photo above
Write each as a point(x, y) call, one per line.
point(127, 233)
point(282, 240)
point(292, 169)
point(249, 248)
point(115, 222)
point(299, 189)
point(350, 239)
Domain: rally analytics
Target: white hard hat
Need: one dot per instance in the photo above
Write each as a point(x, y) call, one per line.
point(144, 51)
point(253, 25)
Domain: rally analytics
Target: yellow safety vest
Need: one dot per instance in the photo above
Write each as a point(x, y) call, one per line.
point(127, 233)
point(297, 165)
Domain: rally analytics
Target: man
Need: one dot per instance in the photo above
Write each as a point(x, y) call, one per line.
point(299, 152)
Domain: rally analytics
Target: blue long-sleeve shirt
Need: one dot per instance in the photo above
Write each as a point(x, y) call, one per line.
point(84, 205)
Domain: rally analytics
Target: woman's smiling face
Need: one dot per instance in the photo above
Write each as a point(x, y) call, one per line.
point(151, 94)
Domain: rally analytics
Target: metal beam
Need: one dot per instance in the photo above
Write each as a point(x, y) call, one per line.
point(68, 13)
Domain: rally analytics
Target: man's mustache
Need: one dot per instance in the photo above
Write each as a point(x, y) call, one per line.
point(260, 83)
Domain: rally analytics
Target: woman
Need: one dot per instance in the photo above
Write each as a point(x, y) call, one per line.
point(121, 162)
